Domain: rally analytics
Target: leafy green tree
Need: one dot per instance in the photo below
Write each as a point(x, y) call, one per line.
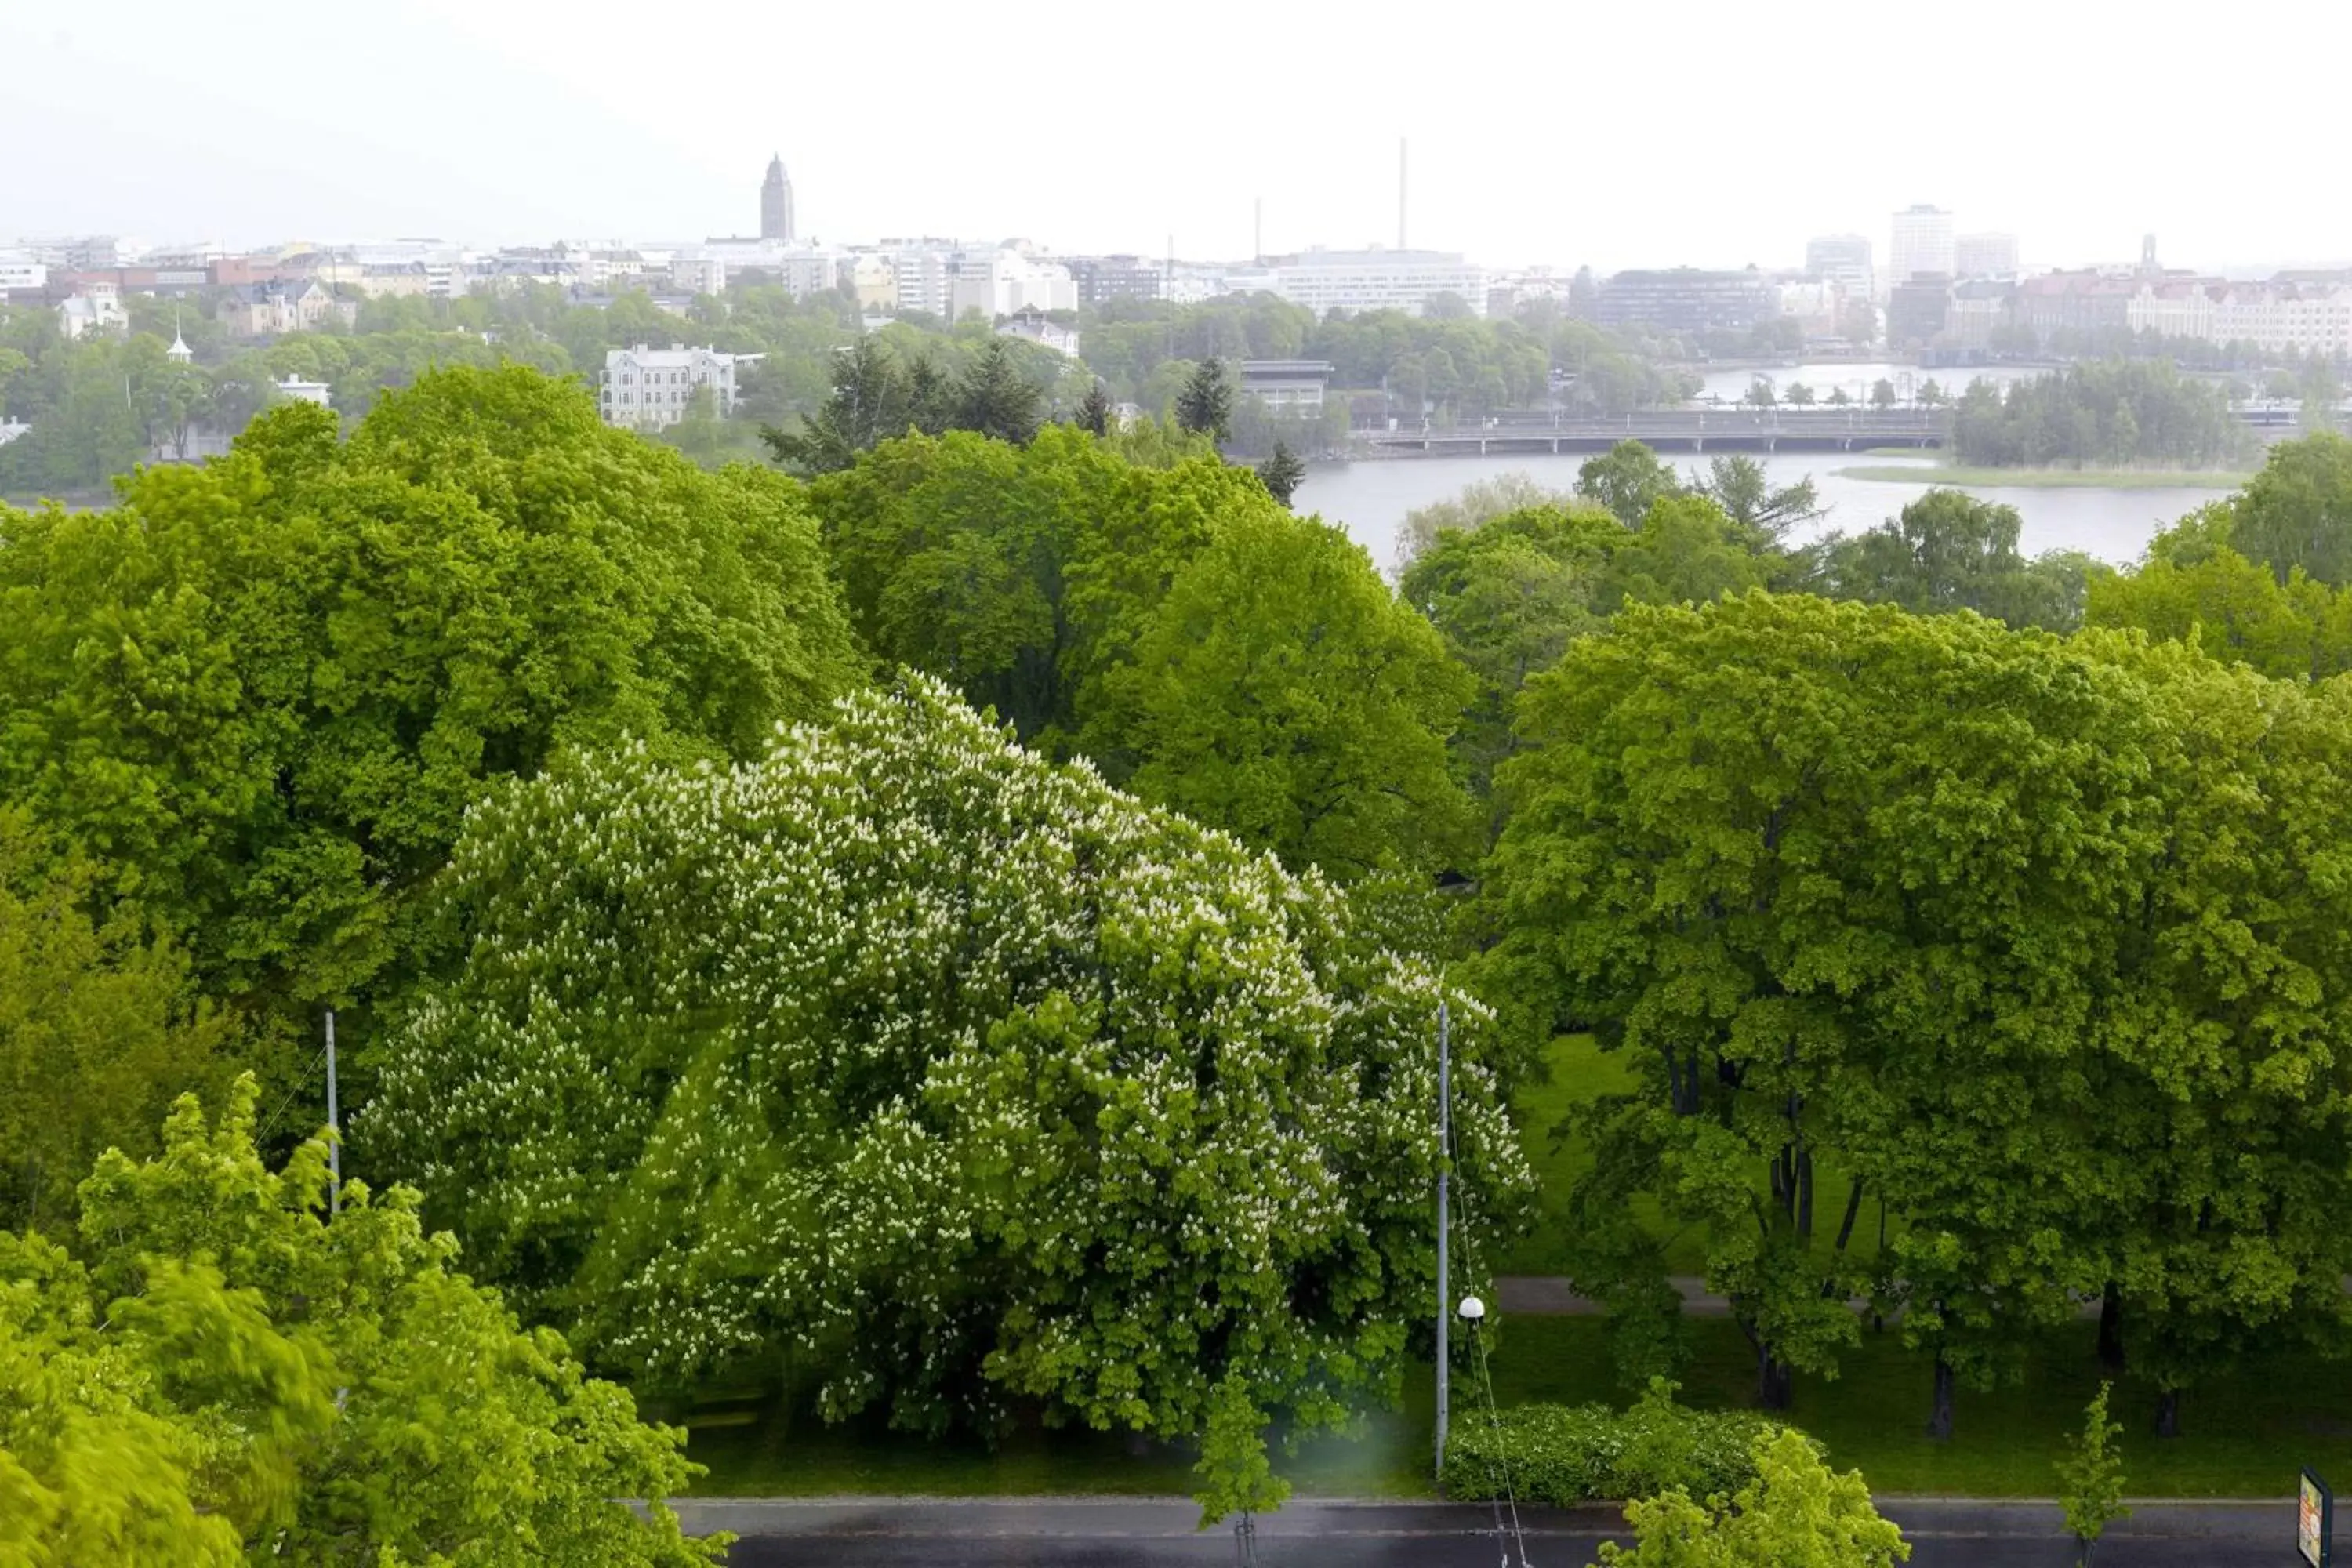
point(259, 696)
point(1797, 1513)
point(1760, 394)
point(1094, 414)
point(1282, 472)
point(1627, 479)
point(993, 398)
point(1205, 406)
point(1478, 502)
point(1778, 851)
point(1687, 550)
point(235, 1372)
point(1801, 394)
point(1019, 574)
point(2123, 412)
point(980, 1083)
point(1882, 393)
point(2192, 587)
point(98, 1030)
point(2090, 1479)
point(1281, 692)
point(1737, 483)
point(1950, 551)
point(2297, 511)
point(1508, 598)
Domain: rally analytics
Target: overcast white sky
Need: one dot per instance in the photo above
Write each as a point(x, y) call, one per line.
point(1620, 135)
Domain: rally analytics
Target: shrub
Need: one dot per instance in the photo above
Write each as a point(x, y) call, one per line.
point(1560, 1454)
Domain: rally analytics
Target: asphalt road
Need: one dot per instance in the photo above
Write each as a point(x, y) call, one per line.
point(1153, 1532)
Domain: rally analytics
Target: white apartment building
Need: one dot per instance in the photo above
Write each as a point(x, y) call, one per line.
point(1374, 279)
point(19, 270)
point(650, 389)
point(1922, 243)
point(295, 389)
point(1984, 256)
point(2316, 317)
point(2171, 309)
point(696, 272)
point(1002, 282)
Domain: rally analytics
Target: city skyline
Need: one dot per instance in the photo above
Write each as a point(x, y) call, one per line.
point(527, 121)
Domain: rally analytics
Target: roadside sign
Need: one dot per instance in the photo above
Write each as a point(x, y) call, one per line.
point(2314, 1521)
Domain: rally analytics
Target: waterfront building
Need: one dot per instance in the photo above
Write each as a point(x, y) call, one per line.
point(1984, 256)
point(651, 389)
point(295, 389)
point(1842, 260)
point(1287, 385)
point(2081, 301)
point(18, 270)
point(776, 203)
point(1686, 300)
point(1917, 310)
point(1976, 309)
point(1922, 245)
point(2276, 317)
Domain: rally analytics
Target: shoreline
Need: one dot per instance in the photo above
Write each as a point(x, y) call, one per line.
point(1964, 478)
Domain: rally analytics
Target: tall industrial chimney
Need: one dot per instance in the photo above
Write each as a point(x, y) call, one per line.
point(1401, 151)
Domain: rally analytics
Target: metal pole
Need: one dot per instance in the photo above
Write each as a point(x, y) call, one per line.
point(334, 1126)
point(1444, 1162)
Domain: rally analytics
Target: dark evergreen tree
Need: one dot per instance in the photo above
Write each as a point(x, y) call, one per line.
point(994, 398)
point(1281, 472)
point(1205, 406)
point(1094, 411)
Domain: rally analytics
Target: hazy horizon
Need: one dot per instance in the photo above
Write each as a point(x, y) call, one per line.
point(1536, 138)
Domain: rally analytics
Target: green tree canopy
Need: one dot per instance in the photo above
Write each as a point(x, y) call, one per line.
point(2297, 511)
point(1280, 691)
point(1897, 897)
point(99, 1030)
point(1627, 479)
point(233, 1374)
point(259, 695)
point(1797, 1513)
point(972, 1079)
point(2193, 586)
point(1949, 550)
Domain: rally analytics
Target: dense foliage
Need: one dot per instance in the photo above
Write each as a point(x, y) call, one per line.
point(259, 695)
point(1796, 1514)
point(2120, 413)
point(1204, 645)
point(1561, 1454)
point(970, 1077)
point(229, 1373)
point(1950, 551)
point(99, 1030)
point(1892, 900)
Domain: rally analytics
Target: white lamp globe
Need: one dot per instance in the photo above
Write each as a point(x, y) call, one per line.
point(1473, 1309)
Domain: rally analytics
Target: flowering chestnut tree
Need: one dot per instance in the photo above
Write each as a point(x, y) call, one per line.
point(960, 1072)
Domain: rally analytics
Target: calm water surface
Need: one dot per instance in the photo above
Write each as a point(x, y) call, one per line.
point(1370, 498)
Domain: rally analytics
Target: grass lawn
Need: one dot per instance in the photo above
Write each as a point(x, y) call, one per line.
point(2244, 1436)
point(2045, 478)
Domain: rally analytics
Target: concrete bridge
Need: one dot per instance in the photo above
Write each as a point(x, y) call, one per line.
point(1678, 430)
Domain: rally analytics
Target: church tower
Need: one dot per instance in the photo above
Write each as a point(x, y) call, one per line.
point(776, 201)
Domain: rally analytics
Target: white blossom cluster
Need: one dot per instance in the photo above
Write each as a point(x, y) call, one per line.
point(958, 1070)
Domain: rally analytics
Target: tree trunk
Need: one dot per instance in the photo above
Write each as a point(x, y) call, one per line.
point(2111, 1330)
point(1939, 1418)
point(2167, 1413)
point(1775, 1381)
point(1805, 1195)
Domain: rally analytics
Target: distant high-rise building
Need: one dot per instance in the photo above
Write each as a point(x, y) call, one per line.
point(776, 201)
point(1842, 260)
point(1984, 256)
point(1686, 300)
point(1923, 245)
